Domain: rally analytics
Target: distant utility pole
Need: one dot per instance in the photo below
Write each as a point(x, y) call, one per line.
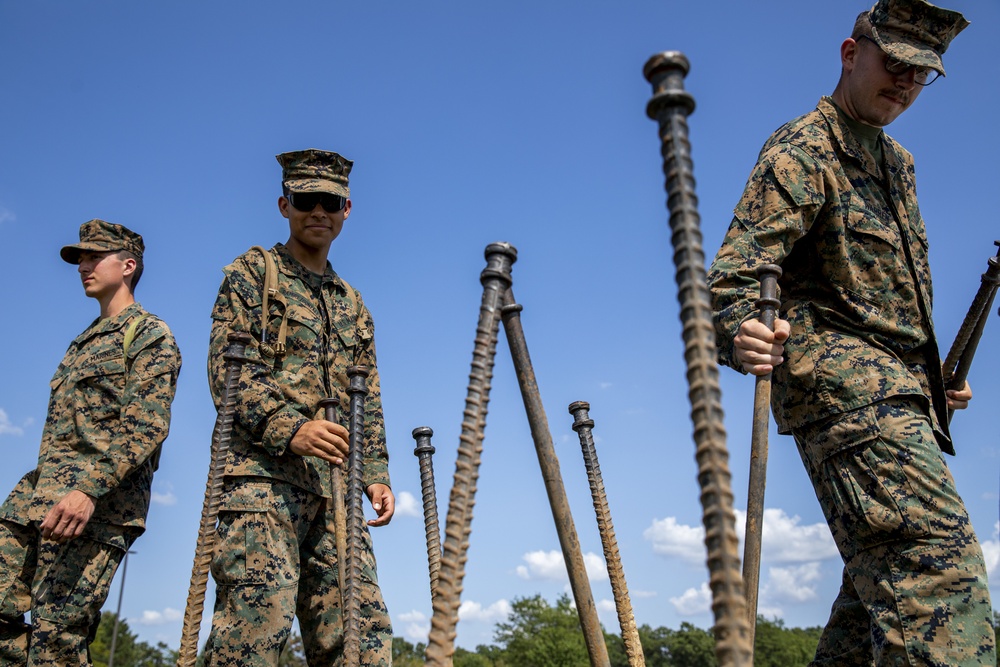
point(118, 612)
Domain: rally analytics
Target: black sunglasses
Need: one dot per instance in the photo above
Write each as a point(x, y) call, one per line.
point(307, 201)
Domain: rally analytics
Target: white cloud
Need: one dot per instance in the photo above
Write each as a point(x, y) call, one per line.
point(796, 583)
point(606, 606)
point(693, 601)
point(474, 611)
point(168, 615)
point(165, 496)
point(770, 611)
point(6, 216)
point(639, 595)
point(670, 538)
point(784, 539)
point(416, 626)
point(407, 505)
point(605, 385)
point(412, 616)
point(597, 569)
point(550, 566)
point(991, 551)
point(167, 499)
point(6, 427)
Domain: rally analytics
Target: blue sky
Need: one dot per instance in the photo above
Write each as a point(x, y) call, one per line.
point(469, 123)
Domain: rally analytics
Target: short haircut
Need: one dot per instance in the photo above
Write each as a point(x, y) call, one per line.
point(125, 254)
point(862, 26)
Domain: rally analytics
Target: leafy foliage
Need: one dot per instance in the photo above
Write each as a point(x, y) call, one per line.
point(129, 651)
point(537, 633)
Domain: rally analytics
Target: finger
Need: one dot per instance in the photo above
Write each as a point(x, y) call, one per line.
point(781, 330)
point(337, 430)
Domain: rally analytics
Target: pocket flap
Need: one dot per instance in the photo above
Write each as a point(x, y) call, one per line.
point(844, 431)
point(246, 497)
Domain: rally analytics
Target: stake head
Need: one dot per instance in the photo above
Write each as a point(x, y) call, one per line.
point(666, 60)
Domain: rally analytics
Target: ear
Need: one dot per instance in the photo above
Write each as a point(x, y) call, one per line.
point(848, 54)
point(283, 206)
point(347, 209)
point(128, 267)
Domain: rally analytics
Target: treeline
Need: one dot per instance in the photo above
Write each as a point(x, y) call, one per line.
point(536, 634)
point(129, 651)
point(539, 634)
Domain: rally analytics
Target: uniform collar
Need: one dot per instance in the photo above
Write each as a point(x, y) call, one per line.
point(114, 323)
point(847, 142)
point(289, 265)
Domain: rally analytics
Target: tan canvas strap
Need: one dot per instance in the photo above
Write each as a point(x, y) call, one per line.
point(130, 334)
point(270, 291)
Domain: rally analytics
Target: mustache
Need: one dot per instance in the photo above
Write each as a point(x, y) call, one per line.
point(900, 96)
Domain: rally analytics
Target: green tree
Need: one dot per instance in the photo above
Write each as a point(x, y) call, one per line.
point(690, 646)
point(538, 634)
point(485, 656)
point(405, 654)
point(129, 651)
point(778, 646)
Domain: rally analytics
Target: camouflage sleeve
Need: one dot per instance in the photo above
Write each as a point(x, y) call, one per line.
point(150, 384)
point(261, 409)
point(782, 198)
point(376, 456)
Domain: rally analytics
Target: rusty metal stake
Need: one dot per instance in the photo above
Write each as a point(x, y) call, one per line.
point(357, 390)
point(235, 357)
point(458, 526)
point(424, 451)
point(670, 106)
point(959, 359)
point(593, 635)
point(768, 303)
point(584, 426)
point(329, 406)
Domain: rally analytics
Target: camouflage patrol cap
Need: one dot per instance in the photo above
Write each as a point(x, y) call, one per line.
point(101, 236)
point(915, 31)
point(314, 170)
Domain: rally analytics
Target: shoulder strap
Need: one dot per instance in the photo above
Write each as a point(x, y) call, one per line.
point(270, 290)
point(130, 334)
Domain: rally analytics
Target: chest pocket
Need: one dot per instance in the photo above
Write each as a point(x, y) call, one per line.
point(873, 264)
point(98, 389)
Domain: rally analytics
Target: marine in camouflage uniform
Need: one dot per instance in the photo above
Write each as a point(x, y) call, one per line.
point(68, 523)
point(832, 200)
point(276, 556)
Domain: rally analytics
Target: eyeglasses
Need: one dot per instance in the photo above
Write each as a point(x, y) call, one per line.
point(922, 76)
point(307, 201)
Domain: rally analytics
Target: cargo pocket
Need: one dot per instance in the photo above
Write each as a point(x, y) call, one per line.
point(242, 536)
point(76, 580)
point(861, 485)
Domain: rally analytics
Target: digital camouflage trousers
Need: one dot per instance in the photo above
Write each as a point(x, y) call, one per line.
point(63, 586)
point(276, 559)
point(914, 588)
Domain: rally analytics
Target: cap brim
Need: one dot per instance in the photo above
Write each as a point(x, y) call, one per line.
point(317, 185)
point(911, 53)
point(71, 253)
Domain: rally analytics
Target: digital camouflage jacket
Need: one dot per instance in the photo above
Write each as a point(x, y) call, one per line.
point(328, 329)
point(108, 416)
point(856, 284)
